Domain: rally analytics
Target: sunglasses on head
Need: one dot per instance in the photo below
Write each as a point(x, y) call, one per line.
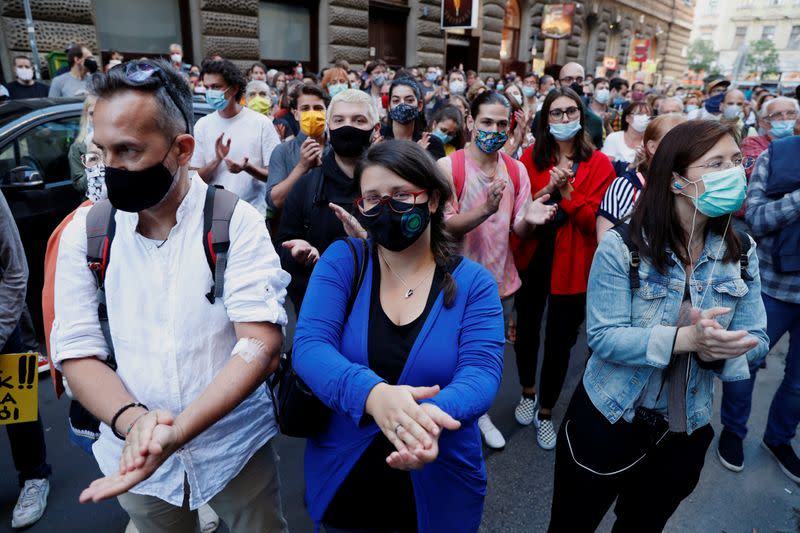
point(139, 72)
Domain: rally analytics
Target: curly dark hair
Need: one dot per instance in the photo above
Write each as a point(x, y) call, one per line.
point(411, 162)
point(230, 73)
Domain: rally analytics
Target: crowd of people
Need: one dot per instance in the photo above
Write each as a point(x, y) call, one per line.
point(419, 221)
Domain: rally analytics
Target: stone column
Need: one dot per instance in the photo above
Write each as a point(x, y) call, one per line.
point(230, 29)
point(492, 14)
point(57, 23)
point(430, 41)
point(348, 31)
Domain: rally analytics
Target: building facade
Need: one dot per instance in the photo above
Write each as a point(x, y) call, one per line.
point(731, 25)
point(319, 32)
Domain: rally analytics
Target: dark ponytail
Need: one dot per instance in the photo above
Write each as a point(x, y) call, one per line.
point(411, 162)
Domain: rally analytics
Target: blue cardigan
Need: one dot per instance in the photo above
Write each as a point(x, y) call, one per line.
point(460, 349)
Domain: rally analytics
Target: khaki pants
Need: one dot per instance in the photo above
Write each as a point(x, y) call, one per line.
point(251, 502)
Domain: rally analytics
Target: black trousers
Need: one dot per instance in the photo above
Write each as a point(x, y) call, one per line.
point(27, 439)
point(647, 494)
point(565, 314)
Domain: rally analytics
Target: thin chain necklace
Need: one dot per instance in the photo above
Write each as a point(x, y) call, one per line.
point(409, 290)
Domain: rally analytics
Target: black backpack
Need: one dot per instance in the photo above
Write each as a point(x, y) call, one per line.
point(100, 229)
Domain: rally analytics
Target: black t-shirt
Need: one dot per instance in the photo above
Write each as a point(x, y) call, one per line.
point(374, 495)
point(17, 91)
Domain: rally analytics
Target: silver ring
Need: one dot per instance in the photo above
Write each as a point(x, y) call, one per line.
point(398, 427)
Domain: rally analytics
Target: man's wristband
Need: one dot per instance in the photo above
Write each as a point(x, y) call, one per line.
point(122, 409)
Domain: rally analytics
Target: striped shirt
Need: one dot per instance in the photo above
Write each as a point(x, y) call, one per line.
point(617, 204)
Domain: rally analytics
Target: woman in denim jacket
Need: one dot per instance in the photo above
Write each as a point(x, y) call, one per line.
point(660, 328)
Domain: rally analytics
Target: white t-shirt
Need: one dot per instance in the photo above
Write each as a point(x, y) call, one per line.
point(253, 136)
point(615, 148)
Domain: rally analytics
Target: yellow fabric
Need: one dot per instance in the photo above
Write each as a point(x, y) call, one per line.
point(449, 149)
point(260, 104)
point(312, 123)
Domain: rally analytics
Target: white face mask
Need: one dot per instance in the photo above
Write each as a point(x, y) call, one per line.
point(176, 58)
point(640, 122)
point(24, 73)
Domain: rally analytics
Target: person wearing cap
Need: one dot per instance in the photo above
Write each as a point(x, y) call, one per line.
point(712, 107)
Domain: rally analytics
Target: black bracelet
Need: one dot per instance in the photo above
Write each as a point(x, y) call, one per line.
point(122, 409)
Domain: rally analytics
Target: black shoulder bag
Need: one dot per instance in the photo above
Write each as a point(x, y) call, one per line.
point(298, 411)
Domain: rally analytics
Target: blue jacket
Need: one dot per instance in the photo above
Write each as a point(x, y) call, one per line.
point(784, 178)
point(460, 349)
point(631, 334)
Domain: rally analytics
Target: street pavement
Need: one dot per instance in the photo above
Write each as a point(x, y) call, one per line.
point(759, 499)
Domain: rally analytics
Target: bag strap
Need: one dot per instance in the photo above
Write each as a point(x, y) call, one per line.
point(624, 231)
point(744, 262)
point(100, 229)
point(458, 161)
point(513, 170)
point(359, 271)
point(217, 213)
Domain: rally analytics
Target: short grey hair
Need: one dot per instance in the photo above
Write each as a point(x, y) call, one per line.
point(354, 96)
point(254, 86)
point(673, 99)
point(765, 106)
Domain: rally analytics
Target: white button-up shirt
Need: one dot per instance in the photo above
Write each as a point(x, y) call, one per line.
point(169, 341)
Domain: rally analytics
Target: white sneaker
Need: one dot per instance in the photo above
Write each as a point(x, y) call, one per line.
point(31, 503)
point(494, 439)
point(545, 432)
point(44, 363)
point(209, 520)
point(526, 409)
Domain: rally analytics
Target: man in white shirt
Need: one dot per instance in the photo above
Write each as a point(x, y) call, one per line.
point(185, 417)
point(234, 143)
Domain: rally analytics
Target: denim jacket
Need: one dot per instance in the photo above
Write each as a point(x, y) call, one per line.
point(631, 332)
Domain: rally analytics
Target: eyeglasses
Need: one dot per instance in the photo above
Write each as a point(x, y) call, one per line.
point(786, 115)
point(138, 72)
point(569, 80)
point(400, 202)
point(735, 162)
point(91, 159)
point(571, 112)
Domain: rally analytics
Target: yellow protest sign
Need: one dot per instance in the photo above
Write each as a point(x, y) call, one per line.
point(19, 388)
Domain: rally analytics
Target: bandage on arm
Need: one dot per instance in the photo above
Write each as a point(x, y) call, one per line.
point(249, 349)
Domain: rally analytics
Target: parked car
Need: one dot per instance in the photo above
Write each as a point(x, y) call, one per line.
point(35, 137)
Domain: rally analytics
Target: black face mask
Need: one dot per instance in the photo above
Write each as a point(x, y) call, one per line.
point(395, 231)
point(137, 190)
point(577, 87)
point(90, 64)
point(349, 141)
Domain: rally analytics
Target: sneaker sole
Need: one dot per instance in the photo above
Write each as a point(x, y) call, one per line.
point(730, 466)
point(785, 471)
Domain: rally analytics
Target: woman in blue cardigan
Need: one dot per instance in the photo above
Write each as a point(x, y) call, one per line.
point(409, 371)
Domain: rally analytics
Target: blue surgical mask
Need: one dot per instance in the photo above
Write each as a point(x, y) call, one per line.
point(724, 194)
point(336, 88)
point(431, 76)
point(691, 107)
point(216, 99)
point(379, 80)
point(529, 92)
point(781, 128)
point(565, 131)
point(500, 87)
point(732, 112)
point(601, 96)
point(442, 136)
point(713, 103)
point(619, 100)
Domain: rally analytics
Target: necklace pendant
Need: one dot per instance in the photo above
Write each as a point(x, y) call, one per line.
point(409, 293)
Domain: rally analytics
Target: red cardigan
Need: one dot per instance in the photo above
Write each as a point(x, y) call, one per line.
point(576, 239)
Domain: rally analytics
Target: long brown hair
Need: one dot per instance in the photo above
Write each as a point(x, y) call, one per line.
point(411, 162)
point(545, 150)
point(655, 226)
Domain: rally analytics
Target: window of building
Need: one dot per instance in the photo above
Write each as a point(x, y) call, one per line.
point(768, 33)
point(775, 3)
point(509, 45)
point(739, 37)
point(711, 7)
point(794, 39)
point(285, 30)
point(745, 3)
point(141, 27)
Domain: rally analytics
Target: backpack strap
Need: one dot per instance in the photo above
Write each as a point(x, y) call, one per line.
point(744, 262)
point(217, 212)
point(359, 270)
point(458, 161)
point(624, 231)
point(100, 229)
point(513, 170)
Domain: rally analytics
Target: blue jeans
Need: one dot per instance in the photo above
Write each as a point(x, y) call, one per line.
point(784, 413)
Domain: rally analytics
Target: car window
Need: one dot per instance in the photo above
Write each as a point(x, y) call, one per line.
point(46, 148)
point(7, 161)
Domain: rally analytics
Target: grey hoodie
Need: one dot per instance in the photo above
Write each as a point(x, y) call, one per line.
point(13, 273)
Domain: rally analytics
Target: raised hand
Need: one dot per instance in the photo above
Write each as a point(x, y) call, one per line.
point(425, 140)
point(495, 194)
point(310, 154)
point(351, 226)
point(711, 341)
point(538, 212)
point(302, 251)
point(222, 149)
point(235, 167)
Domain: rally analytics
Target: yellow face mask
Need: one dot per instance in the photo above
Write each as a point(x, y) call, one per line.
point(260, 104)
point(312, 123)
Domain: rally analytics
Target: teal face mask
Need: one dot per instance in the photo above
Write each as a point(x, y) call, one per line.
point(442, 136)
point(565, 131)
point(336, 88)
point(216, 99)
point(724, 194)
point(781, 128)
